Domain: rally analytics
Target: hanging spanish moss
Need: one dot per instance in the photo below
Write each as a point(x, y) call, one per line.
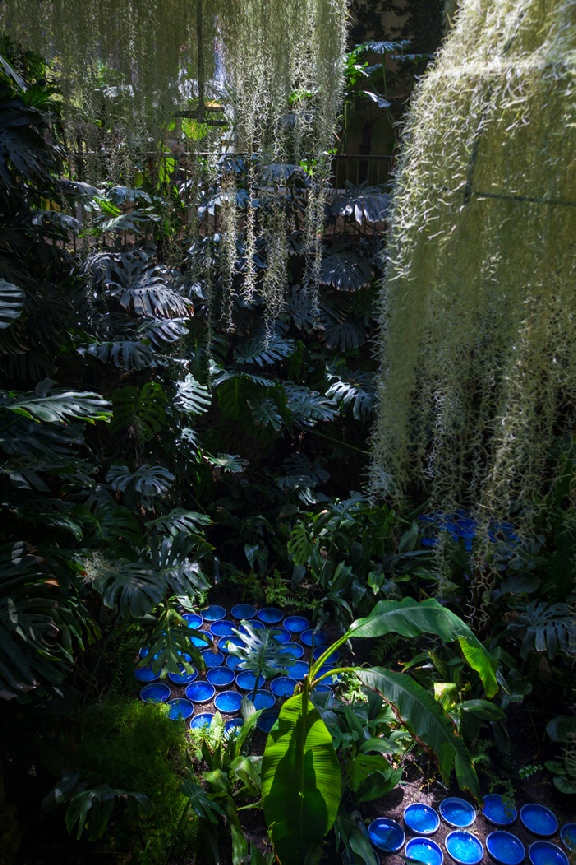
point(478, 382)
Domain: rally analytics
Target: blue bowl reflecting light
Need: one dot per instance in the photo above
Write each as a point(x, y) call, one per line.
point(424, 850)
point(199, 642)
point(298, 670)
point(314, 638)
point(246, 680)
point(202, 720)
point(283, 686)
point(270, 615)
point(224, 644)
point(568, 836)
point(294, 649)
point(505, 848)
point(145, 674)
point(546, 853)
point(464, 847)
point(331, 680)
point(220, 677)
point(228, 702)
point(233, 725)
point(233, 662)
point(183, 678)
point(180, 709)
point(539, 820)
point(267, 720)
point(213, 613)
point(254, 623)
point(213, 659)
point(421, 819)
point(333, 657)
point(498, 811)
point(296, 624)
point(200, 692)
point(194, 620)
point(386, 834)
point(222, 628)
point(457, 812)
point(158, 692)
point(281, 635)
point(243, 611)
point(264, 700)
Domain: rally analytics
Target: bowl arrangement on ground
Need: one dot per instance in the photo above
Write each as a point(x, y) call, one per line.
point(282, 686)
point(424, 850)
point(212, 659)
point(202, 720)
point(270, 615)
point(263, 699)
point(183, 678)
point(539, 820)
point(267, 720)
point(220, 677)
point(568, 836)
point(386, 834)
point(200, 692)
point(157, 692)
point(145, 674)
point(180, 709)
point(246, 680)
point(213, 613)
point(421, 818)
point(505, 848)
point(314, 638)
point(228, 702)
point(498, 811)
point(464, 848)
point(243, 611)
point(296, 624)
point(457, 812)
point(546, 853)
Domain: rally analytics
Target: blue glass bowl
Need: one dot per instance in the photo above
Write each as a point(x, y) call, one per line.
point(233, 662)
point(243, 611)
point(220, 677)
point(333, 657)
point(264, 700)
point(546, 853)
point(464, 847)
point(505, 848)
point(198, 642)
point(421, 819)
point(296, 624)
point(270, 615)
point(539, 820)
point(331, 680)
point(222, 628)
point(228, 702)
point(212, 659)
point(233, 724)
point(157, 692)
point(246, 680)
point(283, 686)
point(497, 811)
point(145, 674)
point(281, 635)
point(194, 620)
point(224, 644)
point(183, 678)
point(315, 638)
point(202, 720)
point(200, 692)
point(457, 812)
point(298, 670)
point(254, 623)
point(267, 720)
point(294, 649)
point(213, 613)
point(386, 834)
point(144, 652)
point(424, 850)
point(179, 709)
point(322, 688)
point(568, 836)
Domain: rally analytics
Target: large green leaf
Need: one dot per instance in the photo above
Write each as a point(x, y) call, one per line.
point(427, 720)
point(61, 407)
point(11, 303)
point(300, 800)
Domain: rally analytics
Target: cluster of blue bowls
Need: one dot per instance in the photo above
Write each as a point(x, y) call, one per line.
point(224, 683)
point(462, 846)
point(461, 526)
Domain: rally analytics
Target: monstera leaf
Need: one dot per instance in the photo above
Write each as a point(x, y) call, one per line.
point(192, 398)
point(357, 389)
point(176, 560)
point(180, 520)
point(363, 203)
point(265, 350)
point(125, 353)
point(345, 271)
point(308, 407)
point(11, 303)
point(142, 487)
point(140, 408)
point(58, 407)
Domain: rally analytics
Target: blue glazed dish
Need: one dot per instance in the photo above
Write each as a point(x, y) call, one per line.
point(233, 724)
point(270, 615)
point(246, 680)
point(243, 611)
point(145, 674)
point(424, 850)
point(568, 836)
point(228, 702)
point(298, 670)
point(233, 662)
point(202, 720)
point(421, 819)
point(333, 657)
point(213, 613)
point(497, 811)
point(386, 834)
point(330, 680)
point(183, 678)
point(294, 649)
point(539, 820)
point(263, 700)
point(199, 642)
point(457, 812)
point(180, 709)
point(254, 623)
point(222, 628)
point(200, 692)
point(464, 848)
point(220, 677)
point(267, 720)
point(314, 638)
point(546, 853)
point(194, 620)
point(505, 848)
point(224, 644)
point(157, 692)
point(283, 686)
point(213, 659)
point(281, 635)
point(296, 624)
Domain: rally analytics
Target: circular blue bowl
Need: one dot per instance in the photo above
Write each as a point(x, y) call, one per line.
point(497, 811)
point(315, 638)
point(283, 686)
point(157, 692)
point(233, 724)
point(296, 624)
point(267, 720)
point(233, 662)
point(568, 836)
point(464, 847)
point(505, 848)
point(246, 680)
point(213, 613)
point(198, 642)
point(270, 615)
point(539, 820)
point(254, 623)
point(264, 700)
point(386, 834)
point(294, 649)
point(200, 692)
point(212, 659)
point(145, 674)
point(180, 709)
point(281, 635)
point(298, 670)
point(224, 643)
point(546, 853)
point(457, 812)
point(333, 657)
point(243, 611)
point(202, 720)
point(331, 680)
point(194, 620)
point(183, 678)
point(228, 702)
point(220, 677)
point(222, 628)
point(424, 850)
point(421, 819)
point(322, 688)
